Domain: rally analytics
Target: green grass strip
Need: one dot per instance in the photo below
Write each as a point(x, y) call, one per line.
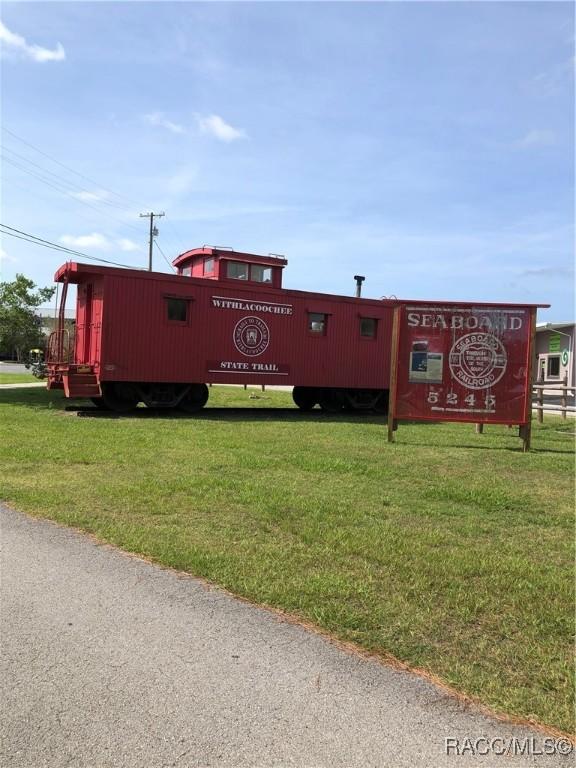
point(18, 378)
point(450, 550)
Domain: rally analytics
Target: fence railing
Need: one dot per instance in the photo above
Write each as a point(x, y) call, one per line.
point(540, 387)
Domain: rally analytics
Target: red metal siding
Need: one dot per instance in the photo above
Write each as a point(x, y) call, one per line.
point(141, 344)
point(198, 268)
point(241, 332)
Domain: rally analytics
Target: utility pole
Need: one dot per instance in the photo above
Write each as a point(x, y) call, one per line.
point(153, 233)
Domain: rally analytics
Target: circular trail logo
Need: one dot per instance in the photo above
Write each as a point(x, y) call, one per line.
point(251, 336)
point(478, 360)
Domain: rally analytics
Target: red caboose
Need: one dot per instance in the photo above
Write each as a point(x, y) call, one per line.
point(224, 318)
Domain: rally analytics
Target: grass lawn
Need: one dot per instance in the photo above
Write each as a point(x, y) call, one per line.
point(450, 550)
point(18, 378)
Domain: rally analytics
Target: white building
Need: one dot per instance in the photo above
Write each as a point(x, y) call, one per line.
point(555, 353)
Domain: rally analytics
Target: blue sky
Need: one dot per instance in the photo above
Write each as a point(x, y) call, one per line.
point(428, 146)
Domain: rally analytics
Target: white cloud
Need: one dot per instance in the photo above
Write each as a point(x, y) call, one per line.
point(552, 79)
point(100, 242)
point(203, 212)
point(214, 125)
point(536, 138)
point(211, 125)
point(16, 43)
point(91, 197)
point(158, 119)
point(7, 258)
point(182, 181)
point(95, 240)
point(127, 245)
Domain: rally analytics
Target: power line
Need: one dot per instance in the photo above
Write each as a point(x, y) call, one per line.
point(35, 174)
point(36, 191)
point(74, 253)
point(71, 170)
point(48, 242)
point(49, 183)
point(35, 240)
point(40, 241)
point(164, 256)
point(82, 176)
point(66, 250)
point(63, 181)
point(181, 248)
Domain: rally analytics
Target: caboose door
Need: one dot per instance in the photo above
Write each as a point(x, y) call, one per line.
point(96, 322)
point(89, 323)
point(83, 323)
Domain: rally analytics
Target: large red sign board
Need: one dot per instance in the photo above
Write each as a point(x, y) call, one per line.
point(466, 363)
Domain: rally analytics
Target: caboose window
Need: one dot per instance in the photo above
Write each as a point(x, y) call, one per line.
point(238, 270)
point(187, 271)
point(368, 327)
point(177, 310)
point(208, 266)
point(317, 323)
point(260, 274)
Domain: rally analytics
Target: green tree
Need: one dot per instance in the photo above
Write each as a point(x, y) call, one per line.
point(20, 326)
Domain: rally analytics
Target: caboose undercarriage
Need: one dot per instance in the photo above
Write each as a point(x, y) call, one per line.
point(79, 381)
point(124, 396)
point(333, 400)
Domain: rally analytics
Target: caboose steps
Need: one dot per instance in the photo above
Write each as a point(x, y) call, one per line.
point(80, 384)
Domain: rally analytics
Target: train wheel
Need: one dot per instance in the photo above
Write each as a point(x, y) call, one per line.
point(195, 399)
point(305, 398)
point(119, 396)
point(381, 405)
point(330, 401)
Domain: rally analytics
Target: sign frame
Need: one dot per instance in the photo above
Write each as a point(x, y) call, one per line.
point(422, 373)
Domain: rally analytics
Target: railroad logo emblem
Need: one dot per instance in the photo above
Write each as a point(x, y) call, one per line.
point(251, 336)
point(478, 360)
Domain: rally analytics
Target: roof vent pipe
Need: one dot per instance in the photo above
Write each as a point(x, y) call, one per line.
point(359, 280)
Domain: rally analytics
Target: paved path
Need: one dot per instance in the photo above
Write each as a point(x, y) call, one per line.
point(111, 661)
point(24, 384)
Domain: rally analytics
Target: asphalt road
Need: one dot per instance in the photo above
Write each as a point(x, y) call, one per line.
point(110, 661)
point(8, 367)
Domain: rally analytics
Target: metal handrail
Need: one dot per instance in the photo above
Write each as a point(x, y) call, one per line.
point(59, 347)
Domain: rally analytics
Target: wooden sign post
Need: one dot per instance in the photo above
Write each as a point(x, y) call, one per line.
point(393, 374)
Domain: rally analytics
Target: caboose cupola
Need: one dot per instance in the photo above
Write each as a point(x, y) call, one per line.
point(215, 263)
